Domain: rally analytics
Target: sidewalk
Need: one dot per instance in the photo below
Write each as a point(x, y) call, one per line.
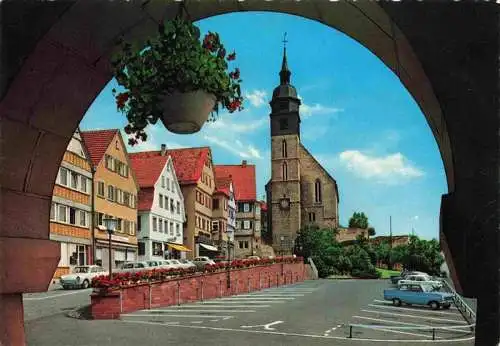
point(54, 285)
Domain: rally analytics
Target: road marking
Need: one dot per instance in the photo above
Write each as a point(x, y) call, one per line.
point(407, 333)
point(182, 316)
point(266, 326)
point(451, 328)
point(214, 320)
point(200, 310)
point(413, 316)
point(331, 330)
point(270, 295)
point(256, 298)
point(300, 335)
point(56, 295)
point(385, 302)
point(250, 303)
point(419, 310)
point(225, 306)
point(197, 322)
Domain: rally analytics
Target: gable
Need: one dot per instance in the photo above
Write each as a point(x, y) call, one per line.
point(304, 153)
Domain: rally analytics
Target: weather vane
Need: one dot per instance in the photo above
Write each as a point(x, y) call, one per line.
point(284, 40)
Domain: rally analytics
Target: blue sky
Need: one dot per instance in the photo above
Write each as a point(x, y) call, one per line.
point(358, 120)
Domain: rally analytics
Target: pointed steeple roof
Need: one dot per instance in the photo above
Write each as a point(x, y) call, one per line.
point(285, 72)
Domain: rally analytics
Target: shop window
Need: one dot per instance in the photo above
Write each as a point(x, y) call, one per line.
point(157, 249)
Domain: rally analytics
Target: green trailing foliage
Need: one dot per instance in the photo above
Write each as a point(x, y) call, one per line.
point(176, 60)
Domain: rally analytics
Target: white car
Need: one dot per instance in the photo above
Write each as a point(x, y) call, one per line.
point(81, 276)
point(202, 261)
point(132, 267)
point(187, 263)
point(420, 278)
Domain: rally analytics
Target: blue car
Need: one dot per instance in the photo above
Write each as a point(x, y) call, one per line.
point(418, 294)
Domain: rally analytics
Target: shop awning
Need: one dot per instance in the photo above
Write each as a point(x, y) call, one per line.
point(209, 247)
point(178, 247)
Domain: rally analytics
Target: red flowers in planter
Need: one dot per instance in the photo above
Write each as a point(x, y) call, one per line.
point(162, 274)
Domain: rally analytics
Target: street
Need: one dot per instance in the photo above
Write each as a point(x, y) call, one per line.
point(314, 312)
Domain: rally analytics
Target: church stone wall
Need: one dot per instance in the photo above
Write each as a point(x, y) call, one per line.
point(326, 211)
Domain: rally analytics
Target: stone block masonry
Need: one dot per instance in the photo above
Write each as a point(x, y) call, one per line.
point(195, 288)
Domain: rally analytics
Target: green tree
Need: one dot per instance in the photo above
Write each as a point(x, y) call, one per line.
point(358, 220)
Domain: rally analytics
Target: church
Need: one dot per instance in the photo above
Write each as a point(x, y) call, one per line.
point(300, 190)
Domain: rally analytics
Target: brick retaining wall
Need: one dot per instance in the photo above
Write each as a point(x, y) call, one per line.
point(194, 288)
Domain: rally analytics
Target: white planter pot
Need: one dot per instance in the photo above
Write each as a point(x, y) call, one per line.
point(185, 113)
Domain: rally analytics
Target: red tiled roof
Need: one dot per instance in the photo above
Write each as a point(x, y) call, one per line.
point(97, 142)
point(222, 185)
point(188, 162)
point(147, 169)
point(145, 199)
point(243, 177)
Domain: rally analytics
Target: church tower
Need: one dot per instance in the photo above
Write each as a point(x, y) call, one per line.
point(284, 187)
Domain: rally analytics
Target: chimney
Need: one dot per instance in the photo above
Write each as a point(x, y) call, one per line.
point(244, 163)
point(163, 149)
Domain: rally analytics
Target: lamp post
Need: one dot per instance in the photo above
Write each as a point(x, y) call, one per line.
point(110, 225)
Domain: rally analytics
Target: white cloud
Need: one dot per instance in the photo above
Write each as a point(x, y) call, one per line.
point(257, 97)
point(231, 123)
point(389, 169)
point(307, 110)
point(244, 151)
point(415, 217)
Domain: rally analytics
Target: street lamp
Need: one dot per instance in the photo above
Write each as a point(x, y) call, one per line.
point(110, 225)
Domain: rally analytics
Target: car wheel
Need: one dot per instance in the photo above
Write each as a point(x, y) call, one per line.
point(65, 287)
point(447, 306)
point(85, 284)
point(396, 302)
point(434, 305)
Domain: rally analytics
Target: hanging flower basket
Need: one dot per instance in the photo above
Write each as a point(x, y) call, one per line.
point(177, 78)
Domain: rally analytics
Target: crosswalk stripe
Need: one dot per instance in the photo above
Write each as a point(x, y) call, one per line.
point(257, 298)
point(454, 328)
point(225, 306)
point(199, 310)
point(239, 301)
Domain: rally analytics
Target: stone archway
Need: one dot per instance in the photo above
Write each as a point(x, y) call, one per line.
point(58, 63)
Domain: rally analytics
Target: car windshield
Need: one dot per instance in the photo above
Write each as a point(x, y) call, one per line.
point(184, 261)
point(81, 270)
point(174, 261)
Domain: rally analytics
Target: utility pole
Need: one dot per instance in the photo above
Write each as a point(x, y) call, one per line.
point(390, 242)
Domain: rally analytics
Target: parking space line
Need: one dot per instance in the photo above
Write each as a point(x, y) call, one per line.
point(200, 310)
point(385, 302)
point(270, 295)
point(455, 341)
point(452, 328)
point(175, 315)
point(413, 316)
point(256, 298)
point(225, 306)
point(411, 309)
point(407, 333)
point(250, 303)
point(56, 295)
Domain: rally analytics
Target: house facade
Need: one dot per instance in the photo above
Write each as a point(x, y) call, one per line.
point(70, 213)
point(225, 216)
point(247, 236)
point(194, 170)
point(231, 219)
point(161, 212)
point(115, 196)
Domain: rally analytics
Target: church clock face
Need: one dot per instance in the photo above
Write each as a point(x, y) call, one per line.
point(285, 203)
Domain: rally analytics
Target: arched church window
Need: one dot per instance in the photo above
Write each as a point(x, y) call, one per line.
point(317, 191)
point(283, 148)
point(284, 171)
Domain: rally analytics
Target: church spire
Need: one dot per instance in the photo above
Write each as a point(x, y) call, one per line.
point(285, 72)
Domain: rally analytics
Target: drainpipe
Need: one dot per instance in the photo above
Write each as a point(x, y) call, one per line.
point(92, 216)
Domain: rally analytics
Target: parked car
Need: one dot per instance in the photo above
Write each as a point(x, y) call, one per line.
point(418, 294)
point(202, 261)
point(182, 265)
point(253, 257)
point(395, 278)
point(187, 263)
point(154, 263)
point(81, 276)
point(415, 278)
point(132, 267)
